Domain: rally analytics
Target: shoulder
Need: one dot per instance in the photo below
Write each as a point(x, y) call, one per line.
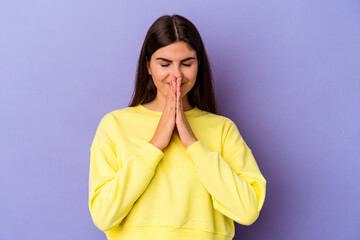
point(217, 119)
point(118, 114)
point(113, 117)
point(227, 125)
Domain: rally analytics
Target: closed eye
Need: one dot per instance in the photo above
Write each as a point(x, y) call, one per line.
point(187, 65)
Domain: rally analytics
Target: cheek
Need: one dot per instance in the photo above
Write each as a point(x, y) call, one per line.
point(159, 76)
point(160, 72)
point(191, 74)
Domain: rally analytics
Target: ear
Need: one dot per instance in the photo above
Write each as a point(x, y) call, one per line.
point(148, 66)
point(199, 60)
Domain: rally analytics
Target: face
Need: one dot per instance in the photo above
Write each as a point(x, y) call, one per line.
point(175, 59)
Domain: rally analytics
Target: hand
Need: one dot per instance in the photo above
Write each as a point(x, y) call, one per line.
point(166, 125)
point(186, 134)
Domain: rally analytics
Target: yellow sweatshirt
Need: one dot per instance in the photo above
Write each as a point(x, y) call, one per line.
point(138, 192)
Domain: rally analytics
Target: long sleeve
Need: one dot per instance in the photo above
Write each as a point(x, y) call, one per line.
point(232, 178)
point(113, 189)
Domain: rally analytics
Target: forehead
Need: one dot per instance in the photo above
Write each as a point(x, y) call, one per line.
point(177, 50)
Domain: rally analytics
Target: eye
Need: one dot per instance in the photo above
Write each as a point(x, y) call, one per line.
point(165, 65)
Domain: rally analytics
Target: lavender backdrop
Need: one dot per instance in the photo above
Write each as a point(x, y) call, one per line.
point(286, 72)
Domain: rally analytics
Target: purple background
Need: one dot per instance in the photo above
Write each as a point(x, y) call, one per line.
point(286, 72)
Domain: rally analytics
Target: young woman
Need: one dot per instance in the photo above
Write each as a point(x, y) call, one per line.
point(168, 166)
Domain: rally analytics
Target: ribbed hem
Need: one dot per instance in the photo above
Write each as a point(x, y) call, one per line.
point(198, 152)
point(150, 155)
point(162, 233)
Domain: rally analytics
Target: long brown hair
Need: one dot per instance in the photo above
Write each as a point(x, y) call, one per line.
point(164, 31)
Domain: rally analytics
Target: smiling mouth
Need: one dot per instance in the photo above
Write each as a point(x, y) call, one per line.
point(181, 83)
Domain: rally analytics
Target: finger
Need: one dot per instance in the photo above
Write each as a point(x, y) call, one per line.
point(173, 88)
point(173, 81)
point(174, 92)
point(170, 93)
point(179, 94)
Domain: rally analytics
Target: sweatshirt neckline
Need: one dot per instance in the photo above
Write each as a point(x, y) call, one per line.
point(187, 113)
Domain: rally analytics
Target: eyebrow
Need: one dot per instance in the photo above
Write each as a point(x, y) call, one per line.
point(167, 60)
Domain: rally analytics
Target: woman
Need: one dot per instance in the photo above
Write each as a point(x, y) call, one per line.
point(168, 166)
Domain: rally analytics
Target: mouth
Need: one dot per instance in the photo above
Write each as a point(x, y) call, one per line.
point(169, 83)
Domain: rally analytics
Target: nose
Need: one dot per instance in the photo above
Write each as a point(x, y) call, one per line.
point(177, 71)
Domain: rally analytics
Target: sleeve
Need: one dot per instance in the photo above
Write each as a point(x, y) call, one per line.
point(113, 189)
point(232, 178)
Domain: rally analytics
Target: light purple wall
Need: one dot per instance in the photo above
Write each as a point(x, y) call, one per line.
point(286, 72)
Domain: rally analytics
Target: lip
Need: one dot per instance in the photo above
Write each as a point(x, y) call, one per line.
point(181, 83)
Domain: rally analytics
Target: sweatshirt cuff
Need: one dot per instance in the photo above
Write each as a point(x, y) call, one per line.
point(150, 155)
point(198, 152)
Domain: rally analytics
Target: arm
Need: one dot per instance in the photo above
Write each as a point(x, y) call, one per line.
point(233, 179)
point(113, 189)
